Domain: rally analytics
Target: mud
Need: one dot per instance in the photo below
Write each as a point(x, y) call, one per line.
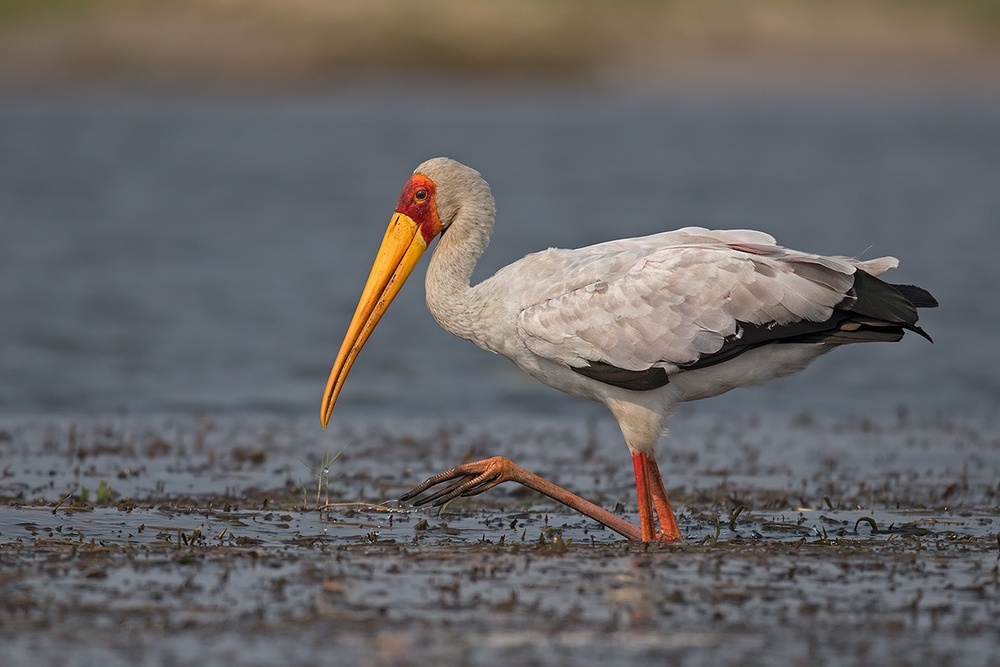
point(252, 541)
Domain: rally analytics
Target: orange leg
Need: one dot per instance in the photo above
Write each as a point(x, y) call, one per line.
point(640, 464)
point(474, 478)
point(664, 512)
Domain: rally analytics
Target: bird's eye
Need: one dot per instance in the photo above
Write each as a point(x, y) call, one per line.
point(420, 195)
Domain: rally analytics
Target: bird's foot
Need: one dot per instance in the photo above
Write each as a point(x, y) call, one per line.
point(666, 537)
point(471, 479)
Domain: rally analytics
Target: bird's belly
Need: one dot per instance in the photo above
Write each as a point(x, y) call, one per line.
point(558, 376)
point(747, 370)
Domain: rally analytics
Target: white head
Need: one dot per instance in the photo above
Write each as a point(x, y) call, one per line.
point(440, 192)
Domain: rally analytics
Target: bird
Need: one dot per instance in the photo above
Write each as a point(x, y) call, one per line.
point(638, 324)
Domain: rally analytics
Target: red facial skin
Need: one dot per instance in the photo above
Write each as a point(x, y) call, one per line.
point(422, 210)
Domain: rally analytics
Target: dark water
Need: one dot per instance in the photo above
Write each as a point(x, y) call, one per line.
point(824, 542)
point(163, 254)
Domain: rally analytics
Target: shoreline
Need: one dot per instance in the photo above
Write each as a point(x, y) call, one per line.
point(270, 46)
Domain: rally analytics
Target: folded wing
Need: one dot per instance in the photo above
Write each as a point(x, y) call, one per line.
point(694, 298)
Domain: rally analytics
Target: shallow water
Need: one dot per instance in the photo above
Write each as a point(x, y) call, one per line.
point(806, 541)
point(175, 278)
point(170, 254)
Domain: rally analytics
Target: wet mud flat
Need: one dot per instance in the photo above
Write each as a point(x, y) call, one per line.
point(245, 541)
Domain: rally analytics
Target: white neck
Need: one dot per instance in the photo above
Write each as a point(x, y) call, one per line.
point(450, 298)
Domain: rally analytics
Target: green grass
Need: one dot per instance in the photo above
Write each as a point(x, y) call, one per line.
point(15, 11)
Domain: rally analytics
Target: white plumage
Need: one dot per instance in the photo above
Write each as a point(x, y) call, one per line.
point(637, 324)
point(667, 299)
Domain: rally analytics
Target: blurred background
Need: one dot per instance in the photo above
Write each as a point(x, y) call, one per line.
point(191, 192)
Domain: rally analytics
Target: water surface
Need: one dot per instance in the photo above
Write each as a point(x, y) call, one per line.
point(172, 254)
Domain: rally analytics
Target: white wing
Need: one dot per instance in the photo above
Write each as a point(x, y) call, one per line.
point(668, 299)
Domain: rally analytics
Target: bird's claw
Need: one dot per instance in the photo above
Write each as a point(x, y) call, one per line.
point(470, 479)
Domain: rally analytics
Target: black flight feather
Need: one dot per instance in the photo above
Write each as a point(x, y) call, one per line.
point(872, 311)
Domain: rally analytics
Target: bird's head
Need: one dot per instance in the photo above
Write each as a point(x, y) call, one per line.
point(429, 203)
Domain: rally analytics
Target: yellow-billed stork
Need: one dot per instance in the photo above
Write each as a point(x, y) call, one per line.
point(638, 324)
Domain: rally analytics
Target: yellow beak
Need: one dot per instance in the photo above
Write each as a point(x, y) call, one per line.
point(401, 249)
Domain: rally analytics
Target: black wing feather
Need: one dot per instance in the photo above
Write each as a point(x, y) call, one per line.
point(872, 311)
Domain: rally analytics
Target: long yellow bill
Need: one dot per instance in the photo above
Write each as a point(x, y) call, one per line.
point(400, 251)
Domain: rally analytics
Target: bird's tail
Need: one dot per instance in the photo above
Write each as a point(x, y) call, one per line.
point(918, 296)
point(880, 311)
